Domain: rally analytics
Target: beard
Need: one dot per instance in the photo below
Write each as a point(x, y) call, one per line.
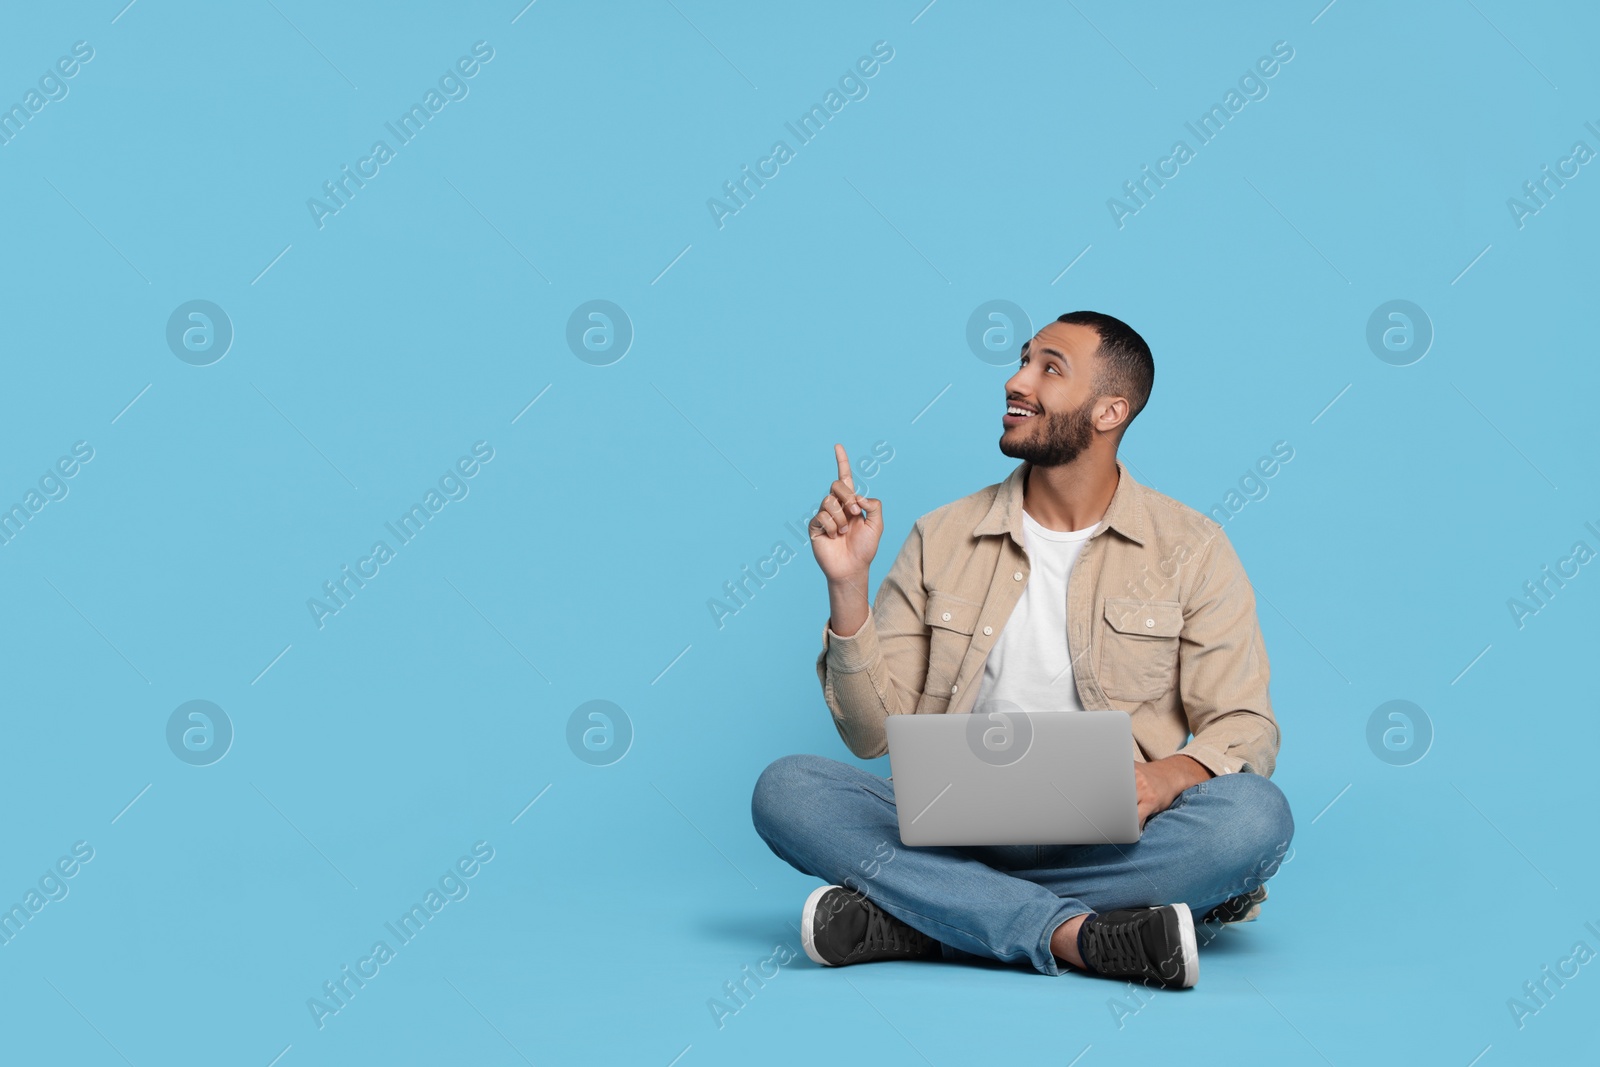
point(1050, 440)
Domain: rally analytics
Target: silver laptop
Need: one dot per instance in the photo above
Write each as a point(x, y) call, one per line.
point(1004, 776)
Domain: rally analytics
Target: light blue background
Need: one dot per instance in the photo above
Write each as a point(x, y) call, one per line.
point(425, 316)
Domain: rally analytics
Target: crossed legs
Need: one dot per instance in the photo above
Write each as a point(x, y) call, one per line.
point(1219, 839)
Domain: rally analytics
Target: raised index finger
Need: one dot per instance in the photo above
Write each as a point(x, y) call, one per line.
point(844, 466)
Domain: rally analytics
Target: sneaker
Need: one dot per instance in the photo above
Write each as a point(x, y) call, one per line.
point(1240, 909)
point(1154, 945)
point(839, 926)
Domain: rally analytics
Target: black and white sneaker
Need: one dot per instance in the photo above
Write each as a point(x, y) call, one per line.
point(1152, 945)
point(1243, 908)
point(840, 926)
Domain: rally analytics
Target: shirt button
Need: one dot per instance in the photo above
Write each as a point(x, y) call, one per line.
point(953, 688)
point(946, 616)
point(1017, 576)
point(987, 630)
point(1147, 622)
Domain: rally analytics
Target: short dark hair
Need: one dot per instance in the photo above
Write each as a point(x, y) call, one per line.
point(1126, 367)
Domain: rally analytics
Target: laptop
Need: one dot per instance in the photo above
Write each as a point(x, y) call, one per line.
point(1003, 776)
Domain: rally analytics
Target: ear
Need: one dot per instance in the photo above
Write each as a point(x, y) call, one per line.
point(1112, 412)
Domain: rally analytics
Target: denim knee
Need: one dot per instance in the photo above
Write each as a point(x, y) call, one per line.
point(1260, 825)
point(782, 780)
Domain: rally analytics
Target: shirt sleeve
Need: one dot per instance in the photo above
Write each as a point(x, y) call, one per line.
point(1223, 671)
point(880, 669)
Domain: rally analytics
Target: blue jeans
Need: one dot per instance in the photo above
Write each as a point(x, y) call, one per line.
point(1219, 839)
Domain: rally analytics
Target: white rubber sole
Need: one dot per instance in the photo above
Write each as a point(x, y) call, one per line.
point(808, 915)
point(1191, 950)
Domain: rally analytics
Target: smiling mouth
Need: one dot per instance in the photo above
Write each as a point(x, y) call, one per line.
point(1015, 415)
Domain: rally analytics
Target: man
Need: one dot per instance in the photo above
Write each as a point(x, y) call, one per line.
point(1068, 586)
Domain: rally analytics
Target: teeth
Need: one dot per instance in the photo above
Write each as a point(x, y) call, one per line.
point(1018, 411)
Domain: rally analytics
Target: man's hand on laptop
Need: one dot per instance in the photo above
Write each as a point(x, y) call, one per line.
point(1160, 781)
point(844, 538)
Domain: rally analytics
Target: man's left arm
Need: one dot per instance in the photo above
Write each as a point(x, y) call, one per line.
point(1223, 670)
point(1222, 685)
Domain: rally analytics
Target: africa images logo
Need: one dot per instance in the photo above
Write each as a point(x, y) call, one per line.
point(411, 122)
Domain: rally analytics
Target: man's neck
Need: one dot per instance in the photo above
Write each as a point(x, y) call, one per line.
point(1073, 496)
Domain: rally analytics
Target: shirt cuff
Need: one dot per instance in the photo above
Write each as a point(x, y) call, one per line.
point(847, 655)
point(1212, 760)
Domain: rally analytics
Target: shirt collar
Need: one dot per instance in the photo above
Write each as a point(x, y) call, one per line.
point(1125, 513)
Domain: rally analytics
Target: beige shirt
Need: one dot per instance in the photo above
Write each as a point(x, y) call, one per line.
point(1161, 624)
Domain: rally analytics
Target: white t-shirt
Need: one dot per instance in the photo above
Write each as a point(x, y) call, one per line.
point(1031, 664)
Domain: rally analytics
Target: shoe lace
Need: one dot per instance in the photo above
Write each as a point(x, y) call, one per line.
point(884, 931)
point(1119, 949)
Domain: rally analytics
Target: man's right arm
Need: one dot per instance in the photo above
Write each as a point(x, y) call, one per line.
point(874, 661)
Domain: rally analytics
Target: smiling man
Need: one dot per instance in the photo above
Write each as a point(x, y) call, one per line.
point(1067, 586)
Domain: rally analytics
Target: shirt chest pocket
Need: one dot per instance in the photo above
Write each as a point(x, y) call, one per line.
point(1139, 647)
point(951, 621)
